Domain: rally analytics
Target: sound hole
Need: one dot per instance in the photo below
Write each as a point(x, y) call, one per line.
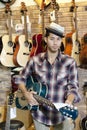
point(68, 40)
point(10, 43)
point(26, 43)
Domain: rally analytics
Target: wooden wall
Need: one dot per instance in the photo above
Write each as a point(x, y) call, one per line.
point(64, 18)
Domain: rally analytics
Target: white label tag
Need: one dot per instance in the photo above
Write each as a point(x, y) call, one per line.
point(13, 113)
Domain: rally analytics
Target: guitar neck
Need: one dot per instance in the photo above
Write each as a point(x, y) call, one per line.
point(76, 29)
point(43, 100)
point(7, 125)
point(25, 25)
point(9, 27)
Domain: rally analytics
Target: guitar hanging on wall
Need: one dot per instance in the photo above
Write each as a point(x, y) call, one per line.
point(76, 43)
point(8, 42)
point(25, 45)
point(38, 39)
point(68, 37)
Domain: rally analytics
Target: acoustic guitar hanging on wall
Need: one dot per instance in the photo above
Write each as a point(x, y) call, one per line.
point(24, 43)
point(68, 37)
point(8, 41)
point(38, 39)
point(76, 43)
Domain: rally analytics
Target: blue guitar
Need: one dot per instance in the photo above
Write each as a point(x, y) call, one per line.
point(42, 89)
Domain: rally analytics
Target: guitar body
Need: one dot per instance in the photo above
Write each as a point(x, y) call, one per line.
point(16, 49)
point(7, 51)
point(24, 51)
point(83, 52)
point(38, 45)
point(34, 46)
point(75, 49)
point(32, 84)
point(68, 44)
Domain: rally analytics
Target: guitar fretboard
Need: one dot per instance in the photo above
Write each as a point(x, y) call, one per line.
point(43, 100)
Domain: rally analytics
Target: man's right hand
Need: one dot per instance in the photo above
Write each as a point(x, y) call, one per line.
point(29, 97)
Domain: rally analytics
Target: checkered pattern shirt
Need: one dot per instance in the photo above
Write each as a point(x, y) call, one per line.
point(61, 78)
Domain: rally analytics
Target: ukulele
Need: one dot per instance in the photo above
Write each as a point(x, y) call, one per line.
point(76, 44)
point(42, 91)
point(8, 42)
point(23, 43)
point(37, 39)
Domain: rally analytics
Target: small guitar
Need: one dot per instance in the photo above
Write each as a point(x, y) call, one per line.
point(23, 43)
point(42, 90)
point(8, 42)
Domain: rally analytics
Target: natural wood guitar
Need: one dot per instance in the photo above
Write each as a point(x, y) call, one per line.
point(8, 42)
point(24, 45)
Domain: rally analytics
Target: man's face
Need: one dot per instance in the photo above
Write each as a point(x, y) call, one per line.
point(53, 42)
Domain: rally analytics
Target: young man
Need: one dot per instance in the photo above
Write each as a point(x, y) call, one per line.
point(59, 73)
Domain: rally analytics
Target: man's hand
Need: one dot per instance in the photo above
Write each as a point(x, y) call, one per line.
point(29, 97)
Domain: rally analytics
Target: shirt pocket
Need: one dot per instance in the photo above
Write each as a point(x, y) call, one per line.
point(62, 76)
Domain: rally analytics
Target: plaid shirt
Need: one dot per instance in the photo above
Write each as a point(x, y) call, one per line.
point(61, 78)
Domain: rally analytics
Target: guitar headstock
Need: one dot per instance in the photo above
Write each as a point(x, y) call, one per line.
point(7, 8)
point(10, 98)
point(23, 8)
point(69, 111)
point(54, 5)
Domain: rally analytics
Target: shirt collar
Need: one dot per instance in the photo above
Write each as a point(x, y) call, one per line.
point(45, 56)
